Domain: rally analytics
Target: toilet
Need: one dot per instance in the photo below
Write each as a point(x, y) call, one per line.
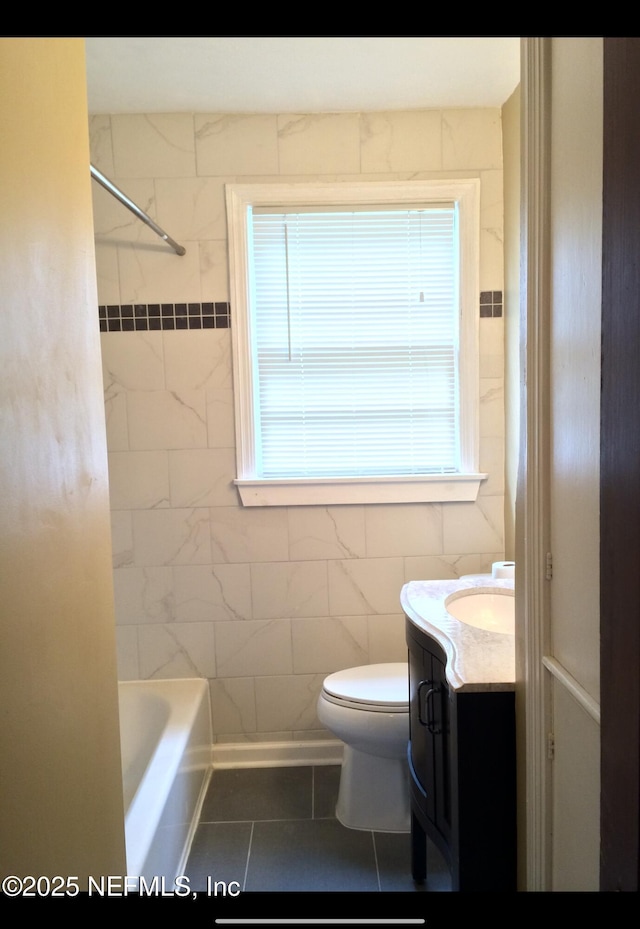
point(368, 709)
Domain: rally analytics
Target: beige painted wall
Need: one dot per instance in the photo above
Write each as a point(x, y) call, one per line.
point(61, 802)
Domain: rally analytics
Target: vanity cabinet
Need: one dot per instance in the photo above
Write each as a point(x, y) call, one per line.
point(462, 773)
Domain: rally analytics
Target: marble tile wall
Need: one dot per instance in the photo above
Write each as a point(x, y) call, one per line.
point(262, 602)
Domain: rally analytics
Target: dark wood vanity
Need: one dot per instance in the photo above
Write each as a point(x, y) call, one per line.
point(462, 759)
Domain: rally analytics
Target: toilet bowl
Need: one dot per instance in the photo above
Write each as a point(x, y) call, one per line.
point(368, 709)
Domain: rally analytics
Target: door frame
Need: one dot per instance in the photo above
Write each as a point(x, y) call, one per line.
point(619, 712)
point(533, 704)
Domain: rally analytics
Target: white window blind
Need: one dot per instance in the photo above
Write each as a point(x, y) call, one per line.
point(355, 341)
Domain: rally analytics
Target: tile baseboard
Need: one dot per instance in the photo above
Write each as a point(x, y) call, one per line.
point(276, 754)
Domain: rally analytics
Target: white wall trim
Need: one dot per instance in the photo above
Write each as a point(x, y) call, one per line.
point(577, 691)
point(534, 477)
point(327, 492)
point(240, 200)
point(276, 754)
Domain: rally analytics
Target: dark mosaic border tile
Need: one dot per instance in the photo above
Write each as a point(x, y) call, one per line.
point(145, 317)
point(490, 303)
point(134, 317)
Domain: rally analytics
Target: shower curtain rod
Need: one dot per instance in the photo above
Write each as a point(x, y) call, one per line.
point(117, 193)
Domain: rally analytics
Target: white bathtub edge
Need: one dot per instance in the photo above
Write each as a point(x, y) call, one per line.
point(184, 747)
point(195, 821)
point(276, 754)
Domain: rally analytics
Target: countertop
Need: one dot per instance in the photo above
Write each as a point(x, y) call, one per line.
point(476, 660)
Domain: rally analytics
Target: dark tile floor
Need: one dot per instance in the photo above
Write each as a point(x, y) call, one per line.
point(275, 830)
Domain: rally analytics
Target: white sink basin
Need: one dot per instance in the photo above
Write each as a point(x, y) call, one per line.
point(490, 610)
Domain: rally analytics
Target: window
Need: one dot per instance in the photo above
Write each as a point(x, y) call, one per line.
point(355, 341)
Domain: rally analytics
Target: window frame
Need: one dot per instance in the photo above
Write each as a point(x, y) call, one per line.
point(257, 491)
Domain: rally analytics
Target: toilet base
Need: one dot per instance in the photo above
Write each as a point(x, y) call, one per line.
point(374, 792)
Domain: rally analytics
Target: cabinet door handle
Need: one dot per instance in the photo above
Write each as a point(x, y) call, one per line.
point(428, 703)
point(423, 722)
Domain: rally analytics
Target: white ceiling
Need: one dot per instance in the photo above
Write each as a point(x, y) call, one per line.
point(304, 74)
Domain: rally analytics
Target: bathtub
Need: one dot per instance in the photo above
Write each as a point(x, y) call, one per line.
point(165, 736)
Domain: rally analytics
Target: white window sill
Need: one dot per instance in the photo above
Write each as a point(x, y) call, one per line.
point(335, 491)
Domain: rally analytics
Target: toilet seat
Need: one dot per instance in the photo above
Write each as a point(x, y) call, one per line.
point(378, 688)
